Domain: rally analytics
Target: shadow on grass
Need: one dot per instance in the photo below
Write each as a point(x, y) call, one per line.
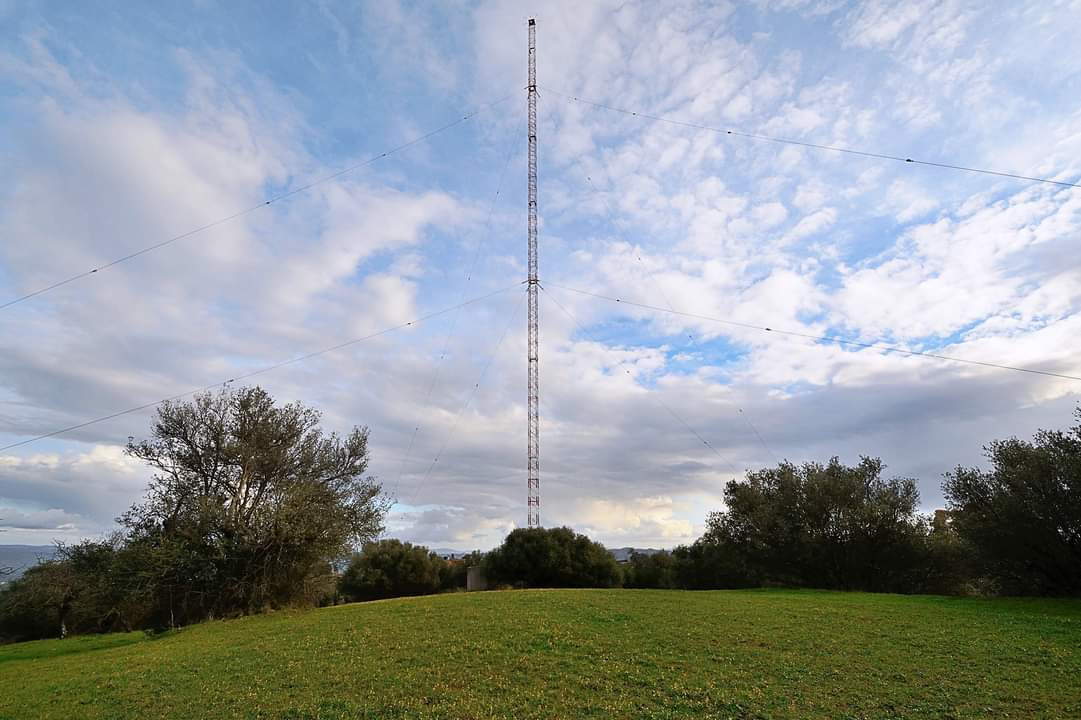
point(41, 649)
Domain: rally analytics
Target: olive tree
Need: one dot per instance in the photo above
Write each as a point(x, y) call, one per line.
point(1022, 517)
point(829, 526)
point(249, 504)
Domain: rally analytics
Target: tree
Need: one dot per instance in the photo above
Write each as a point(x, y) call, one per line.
point(830, 526)
point(551, 557)
point(78, 590)
point(1023, 517)
point(39, 603)
point(946, 566)
point(391, 568)
point(5, 570)
point(248, 504)
point(653, 570)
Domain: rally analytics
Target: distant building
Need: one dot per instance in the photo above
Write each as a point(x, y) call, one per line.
point(475, 580)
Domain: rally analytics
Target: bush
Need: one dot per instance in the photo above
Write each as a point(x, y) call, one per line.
point(947, 563)
point(391, 568)
point(551, 557)
point(454, 573)
point(84, 588)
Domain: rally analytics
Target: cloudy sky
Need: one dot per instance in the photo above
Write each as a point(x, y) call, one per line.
point(122, 127)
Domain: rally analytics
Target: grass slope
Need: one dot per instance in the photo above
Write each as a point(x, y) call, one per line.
point(577, 654)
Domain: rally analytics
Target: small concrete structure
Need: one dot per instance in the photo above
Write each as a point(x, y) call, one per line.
point(475, 580)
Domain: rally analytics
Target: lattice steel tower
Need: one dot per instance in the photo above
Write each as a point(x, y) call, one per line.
point(533, 479)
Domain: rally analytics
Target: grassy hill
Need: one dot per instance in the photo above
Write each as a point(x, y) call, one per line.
point(577, 654)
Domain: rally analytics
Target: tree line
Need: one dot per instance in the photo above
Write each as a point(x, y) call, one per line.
point(1012, 529)
point(253, 507)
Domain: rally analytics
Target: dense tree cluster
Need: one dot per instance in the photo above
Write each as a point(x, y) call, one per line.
point(820, 525)
point(248, 506)
point(1013, 529)
point(814, 525)
point(653, 570)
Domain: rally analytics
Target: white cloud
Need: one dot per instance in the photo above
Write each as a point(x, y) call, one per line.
point(881, 24)
point(648, 520)
point(51, 520)
point(812, 224)
point(44, 497)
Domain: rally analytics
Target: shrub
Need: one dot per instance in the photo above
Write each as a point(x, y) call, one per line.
point(551, 557)
point(391, 568)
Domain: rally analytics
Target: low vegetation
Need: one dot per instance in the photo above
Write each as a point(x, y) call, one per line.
point(577, 654)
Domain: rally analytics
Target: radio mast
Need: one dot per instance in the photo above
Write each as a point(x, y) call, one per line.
point(533, 479)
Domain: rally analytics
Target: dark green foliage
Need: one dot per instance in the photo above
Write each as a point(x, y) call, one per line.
point(551, 557)
point(391, 568)
point(947, 566)
point(37, 604)
point(814, 525)
point(1023, 517)
point(249, 504)
point(86, 587)
point(709, 564)
point(655, 570)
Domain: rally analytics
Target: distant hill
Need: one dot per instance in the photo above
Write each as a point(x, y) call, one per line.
point(20, 557)
point(623, 554)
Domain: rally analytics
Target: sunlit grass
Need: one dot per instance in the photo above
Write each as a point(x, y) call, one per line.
point(575, 654)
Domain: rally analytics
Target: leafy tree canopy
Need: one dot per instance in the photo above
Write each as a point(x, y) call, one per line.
point(551, 557)
point(249, 504)
point(391, 568)
point(831, 525)
point(1022, 517)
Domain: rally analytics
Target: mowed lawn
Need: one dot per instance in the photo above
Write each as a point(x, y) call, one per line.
point(577, 654)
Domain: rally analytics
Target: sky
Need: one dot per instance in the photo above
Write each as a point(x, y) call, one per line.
point(123, 125)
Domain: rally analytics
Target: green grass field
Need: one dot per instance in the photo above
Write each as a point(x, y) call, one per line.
point(577, 654)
